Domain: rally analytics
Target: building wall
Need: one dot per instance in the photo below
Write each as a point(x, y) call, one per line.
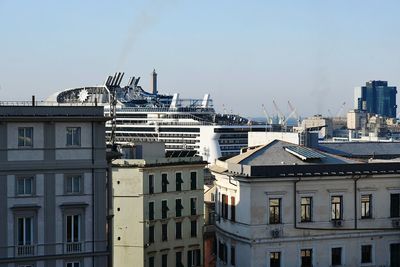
point(251, 233)
point(49, 202)
point(131, 223)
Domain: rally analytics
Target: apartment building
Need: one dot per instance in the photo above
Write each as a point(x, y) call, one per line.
point(158, 208)
point(286, 205)
point(52, 186)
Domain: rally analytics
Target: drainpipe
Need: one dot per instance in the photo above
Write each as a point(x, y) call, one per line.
point(295, 202)
point(355, 202)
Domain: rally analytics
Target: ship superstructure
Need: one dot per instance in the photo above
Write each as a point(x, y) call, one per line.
point(184, 125)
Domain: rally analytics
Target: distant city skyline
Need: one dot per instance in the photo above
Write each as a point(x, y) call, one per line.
point(245, 55)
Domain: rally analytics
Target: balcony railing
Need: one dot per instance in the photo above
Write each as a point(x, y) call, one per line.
point(25, 250)
point(73, 247)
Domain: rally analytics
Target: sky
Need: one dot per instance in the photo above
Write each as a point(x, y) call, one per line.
point(244, 53)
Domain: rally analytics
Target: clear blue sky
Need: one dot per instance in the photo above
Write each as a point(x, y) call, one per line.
point(245, 53)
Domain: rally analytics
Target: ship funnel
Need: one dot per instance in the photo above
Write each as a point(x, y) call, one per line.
point(206, 101)
point(175, 100)
point(154, 82)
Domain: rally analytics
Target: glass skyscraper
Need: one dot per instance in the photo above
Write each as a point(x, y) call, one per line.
point(376, 97)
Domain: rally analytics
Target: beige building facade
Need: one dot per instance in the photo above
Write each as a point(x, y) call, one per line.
point(158, 211)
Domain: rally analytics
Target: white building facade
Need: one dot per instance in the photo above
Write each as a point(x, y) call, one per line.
point(286, 205)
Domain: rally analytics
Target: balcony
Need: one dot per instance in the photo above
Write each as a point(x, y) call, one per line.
point(25, 250)
point(73, 247)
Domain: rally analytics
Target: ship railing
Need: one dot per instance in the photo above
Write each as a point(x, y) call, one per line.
point(179, 109)
point(43, 103)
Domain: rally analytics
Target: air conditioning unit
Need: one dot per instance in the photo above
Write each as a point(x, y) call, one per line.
point(396, 223)
point(337, 223)
point(275, 233)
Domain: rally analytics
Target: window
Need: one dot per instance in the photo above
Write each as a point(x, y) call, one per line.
point(233, 256)
point(193, 258)
point(193, 206)
point(164, 260)
point(25, 231)
point(73, 184)
point(178, 207)
point(306, 209)
point(222, 252)
point(151, 234)
point(212, 197)
point(274, 210)
point(151, 184)
point(336, 256)
point(394, 205)
point(193, 228)
point(366, 254)
point(25, 137)
point(179, 181)
point(395, 254)
point(178, 259)
point(73, 264)
point(178, 230)
point(306, 258)
point(193, 180)
point(164, 209)
point(24, 186)
point(164, 182)
point(224, 206)
point(151, 261)
point(151, 211)
point(275, 259)
point(73, 136)
point(366, 211)
point(164, 233)
point(73, 228)
point(233, 209)
point(337, 206)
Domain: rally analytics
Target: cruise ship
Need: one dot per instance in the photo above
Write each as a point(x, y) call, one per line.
point(190, 126)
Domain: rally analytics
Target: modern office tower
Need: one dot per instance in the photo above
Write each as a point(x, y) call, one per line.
point(52, 186)
point(283, 204)
point(376, 97)
point(158, 207)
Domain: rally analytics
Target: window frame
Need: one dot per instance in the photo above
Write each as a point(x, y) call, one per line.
point(178, 207)
point(306, 208)
point(24, 178)
point(24, 136)
point(164, 232)
point(151, 210)
point(371, 256)
point(151, 183)
point(164, 182)
point(311, 250)
point(271, 253)
point(193, 176)
point(193, 206)
point(80, 184)
point(178, 181)
point(178, 234)
point(365, 205)
point(164, 209)
point(394, 212)
point(75, 142)
point(334, 206)
point(275, 219)
point(193, 233)
point(332, 255)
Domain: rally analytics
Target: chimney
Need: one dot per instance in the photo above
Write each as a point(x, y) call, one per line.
point(33, 101)
point(154, 82)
